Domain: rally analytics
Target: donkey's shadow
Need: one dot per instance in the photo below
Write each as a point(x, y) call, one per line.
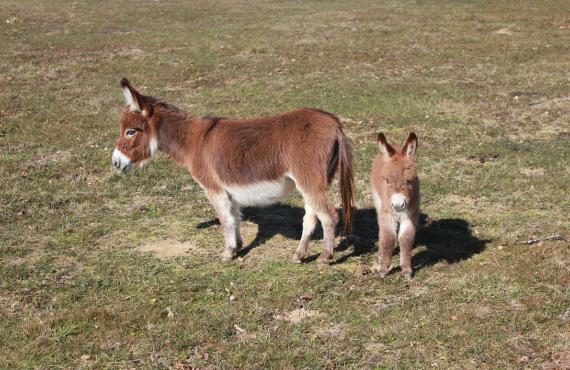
point(449, 240)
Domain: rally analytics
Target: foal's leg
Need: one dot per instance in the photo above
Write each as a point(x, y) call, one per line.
point(309, 223)
point(406, 241)
point(225, 210)
point(387, 242)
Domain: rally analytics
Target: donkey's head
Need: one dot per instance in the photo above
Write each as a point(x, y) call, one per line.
point(137, 140)
point(398, 172)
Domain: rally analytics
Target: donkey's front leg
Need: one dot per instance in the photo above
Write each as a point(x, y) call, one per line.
point(237, 217)
point(406, 240)
point(228, 214)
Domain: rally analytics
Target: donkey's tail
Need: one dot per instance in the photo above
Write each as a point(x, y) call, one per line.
point(346, 180)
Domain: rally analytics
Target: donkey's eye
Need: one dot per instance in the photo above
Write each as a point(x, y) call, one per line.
point(130, 132)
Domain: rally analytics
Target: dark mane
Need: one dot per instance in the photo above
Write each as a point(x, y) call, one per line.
point(159, 103)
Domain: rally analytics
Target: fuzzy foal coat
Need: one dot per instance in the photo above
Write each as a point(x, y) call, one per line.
point(396, 192)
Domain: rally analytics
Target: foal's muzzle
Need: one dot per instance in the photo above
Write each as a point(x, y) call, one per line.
point(399, 207)
point(121, 162)
point(399, 202)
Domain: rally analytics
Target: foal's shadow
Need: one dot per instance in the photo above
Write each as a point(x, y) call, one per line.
point(449, 240)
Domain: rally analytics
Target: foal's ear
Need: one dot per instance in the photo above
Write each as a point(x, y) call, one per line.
point(134, 99)
point(385, 148)
point(411, 145)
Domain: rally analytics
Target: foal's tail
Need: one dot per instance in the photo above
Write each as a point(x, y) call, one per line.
point(346, 180)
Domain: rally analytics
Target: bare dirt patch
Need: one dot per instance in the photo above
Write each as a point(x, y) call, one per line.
point(532, 171)
point(462, 200)
point(297, 316)
point(133, 53)
point(169, 248)
point(558, 360)
point(60, 157)
point(335, 331)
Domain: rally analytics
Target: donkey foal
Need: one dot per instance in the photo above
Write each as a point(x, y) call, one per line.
point(396, 192)
point(251, 161)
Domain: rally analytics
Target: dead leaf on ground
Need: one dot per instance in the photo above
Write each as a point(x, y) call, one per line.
point(243, 334)
point(169, 313)
point(504, 31)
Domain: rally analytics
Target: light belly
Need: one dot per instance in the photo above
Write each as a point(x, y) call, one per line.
point(261, 193)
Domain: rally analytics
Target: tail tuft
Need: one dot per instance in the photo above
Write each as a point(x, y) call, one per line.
point(346, 181)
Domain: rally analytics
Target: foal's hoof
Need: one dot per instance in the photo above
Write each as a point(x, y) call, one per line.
point(407, 275)
point(296, 259)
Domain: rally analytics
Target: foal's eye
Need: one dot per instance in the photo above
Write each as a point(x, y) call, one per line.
point(130, 132)
point(387, 181)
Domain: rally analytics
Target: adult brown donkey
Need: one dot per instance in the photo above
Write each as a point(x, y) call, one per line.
point(249, 162)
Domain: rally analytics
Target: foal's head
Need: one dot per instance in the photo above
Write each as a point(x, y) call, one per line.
point(137, 138)
point(398, 172)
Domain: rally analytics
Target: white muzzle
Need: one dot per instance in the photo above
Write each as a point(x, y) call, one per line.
point(399, 202)
point(121, 162)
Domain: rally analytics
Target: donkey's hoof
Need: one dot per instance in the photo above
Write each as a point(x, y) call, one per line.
point(407, 275)
point(383, 273)
point(227, 256)
point(324, 260)
point(296, 259)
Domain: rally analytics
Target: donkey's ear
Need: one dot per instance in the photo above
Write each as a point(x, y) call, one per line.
point(132, 97)
point(384, 147)
point(411, 145)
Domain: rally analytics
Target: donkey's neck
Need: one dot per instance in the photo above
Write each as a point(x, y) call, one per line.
point(173, 131)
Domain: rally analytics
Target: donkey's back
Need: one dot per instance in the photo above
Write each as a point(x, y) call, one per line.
point(301, 145)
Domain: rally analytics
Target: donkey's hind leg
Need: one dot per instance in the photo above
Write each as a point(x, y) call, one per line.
point(309, 223)
point(329, 218)
point(228, 214)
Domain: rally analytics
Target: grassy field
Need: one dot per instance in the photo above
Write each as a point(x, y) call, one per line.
point(484, 84)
